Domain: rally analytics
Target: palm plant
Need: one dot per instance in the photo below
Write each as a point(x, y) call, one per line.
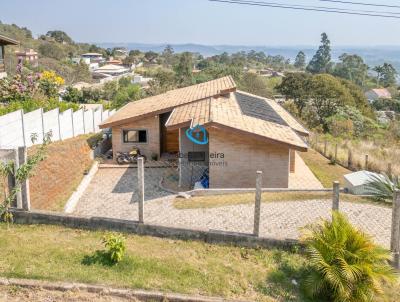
point(382, 186)
point(345, 265)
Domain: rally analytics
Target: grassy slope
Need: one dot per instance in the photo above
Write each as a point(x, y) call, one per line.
point(323, 169)
point(57, 253)
point(58, 176)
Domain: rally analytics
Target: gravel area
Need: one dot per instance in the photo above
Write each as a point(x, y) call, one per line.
point(111, 194)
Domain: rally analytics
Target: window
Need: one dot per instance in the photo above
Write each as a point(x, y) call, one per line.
point(134, 136)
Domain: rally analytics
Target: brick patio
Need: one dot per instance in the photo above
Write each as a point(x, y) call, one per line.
point(112, 194)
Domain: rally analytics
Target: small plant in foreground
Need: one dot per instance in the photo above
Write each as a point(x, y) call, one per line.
point(115, 247)
point(345, 265)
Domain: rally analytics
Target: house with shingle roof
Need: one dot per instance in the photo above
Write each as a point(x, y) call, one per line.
point(213, 126)
point(378, 93)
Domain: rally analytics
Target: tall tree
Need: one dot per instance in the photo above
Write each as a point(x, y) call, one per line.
point(300, 61)
point(388, 75)
point(352, 67)
point(168, 55)
point(184, 69)
point(296, 86)
point(321, 61)
point(378, 69)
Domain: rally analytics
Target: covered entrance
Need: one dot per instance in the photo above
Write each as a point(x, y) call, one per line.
point(169, 139)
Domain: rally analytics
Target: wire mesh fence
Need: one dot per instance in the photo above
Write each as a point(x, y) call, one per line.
point(358, 155)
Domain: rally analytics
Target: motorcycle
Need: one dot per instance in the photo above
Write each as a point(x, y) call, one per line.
point(130, 157)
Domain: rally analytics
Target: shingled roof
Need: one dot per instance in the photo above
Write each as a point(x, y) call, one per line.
point(217, 103)
point(167, 101)
point(238, 113)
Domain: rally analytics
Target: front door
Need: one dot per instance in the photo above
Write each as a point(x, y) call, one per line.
point(169, 139)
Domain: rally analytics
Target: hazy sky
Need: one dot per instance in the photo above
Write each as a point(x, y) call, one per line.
point(200, 21)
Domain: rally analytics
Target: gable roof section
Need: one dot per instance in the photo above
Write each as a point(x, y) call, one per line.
point(382, 92)
point(227, 113)
point(7, 41)
point(167, 101)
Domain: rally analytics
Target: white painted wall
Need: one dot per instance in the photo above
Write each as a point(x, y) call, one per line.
point(16, 127)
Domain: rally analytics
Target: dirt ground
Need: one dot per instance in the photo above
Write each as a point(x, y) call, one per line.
point(20, 294)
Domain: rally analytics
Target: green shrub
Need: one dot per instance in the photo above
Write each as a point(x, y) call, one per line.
point(115, 247)
point(345, 265)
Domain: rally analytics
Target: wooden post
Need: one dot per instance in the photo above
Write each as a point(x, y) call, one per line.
point(140, 164)
point(349, 159)
point(336, 153)
point(395, 234)
point(335, 196)
point(257, 206)
point(325, 147)
point(366, 162)
point(389, 170)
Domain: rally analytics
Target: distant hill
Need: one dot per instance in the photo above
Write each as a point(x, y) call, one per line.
point(372, 55)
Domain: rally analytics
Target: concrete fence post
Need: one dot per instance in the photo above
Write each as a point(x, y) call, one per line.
point(257, 205)
point(16, 167)
point(366, 162)
point(335, 196)
point(395, 234)
point(140, 164)
point(25, 191)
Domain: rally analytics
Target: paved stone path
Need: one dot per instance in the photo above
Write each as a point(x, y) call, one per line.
point(303, 178)
point(111, 194)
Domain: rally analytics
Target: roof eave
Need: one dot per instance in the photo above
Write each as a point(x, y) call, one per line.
point(8, 41)
point(302, 148)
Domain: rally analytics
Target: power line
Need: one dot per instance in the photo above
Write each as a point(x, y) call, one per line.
point(310, 8)
point(361, 3)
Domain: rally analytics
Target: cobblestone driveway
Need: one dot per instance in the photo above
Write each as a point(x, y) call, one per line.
point(111, 194)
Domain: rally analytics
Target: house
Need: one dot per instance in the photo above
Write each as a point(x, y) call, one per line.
point(141, 80)
point(216, 127)
point(3, 42)
point(378, 93)
point(28, 55)
point(94, 57)
point(110, 70)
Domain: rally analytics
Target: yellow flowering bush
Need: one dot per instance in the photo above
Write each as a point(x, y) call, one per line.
point(50, 82)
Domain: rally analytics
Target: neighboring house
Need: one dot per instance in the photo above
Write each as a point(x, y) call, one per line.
point(28, 55)
point(114, 61)
point(378, 93)
point(3, 42)
point(240, 133)
point(141, 80)
point(110, 70)
point(94, 57)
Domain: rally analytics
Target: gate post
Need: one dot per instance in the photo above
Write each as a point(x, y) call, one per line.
point(335, 196)
point(140, 165)
point(257, 205)
point(395, 234)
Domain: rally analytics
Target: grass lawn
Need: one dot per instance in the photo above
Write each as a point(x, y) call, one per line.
point(58, 254)
point(323, 169)
point(232, 199)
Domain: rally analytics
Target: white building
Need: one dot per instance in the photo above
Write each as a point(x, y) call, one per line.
point(357, 183)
